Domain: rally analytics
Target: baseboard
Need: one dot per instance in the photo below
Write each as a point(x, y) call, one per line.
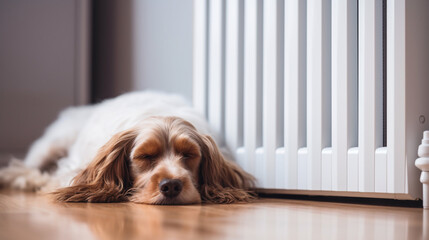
point(348, 200)
point(396, 196)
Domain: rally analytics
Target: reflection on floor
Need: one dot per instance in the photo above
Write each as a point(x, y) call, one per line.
point(33, 216)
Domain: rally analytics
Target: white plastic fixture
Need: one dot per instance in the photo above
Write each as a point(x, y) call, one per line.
point(423, 164)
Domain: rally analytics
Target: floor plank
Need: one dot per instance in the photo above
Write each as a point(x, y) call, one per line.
point(34, 216)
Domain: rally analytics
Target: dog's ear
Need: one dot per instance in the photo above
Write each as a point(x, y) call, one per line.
point(108, 177)
point(222, 181)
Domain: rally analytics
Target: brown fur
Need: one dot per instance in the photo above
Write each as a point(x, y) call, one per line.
point(222, 181)
point(107, 178)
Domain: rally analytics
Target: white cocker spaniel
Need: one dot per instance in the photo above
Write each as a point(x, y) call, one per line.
point(143, 147)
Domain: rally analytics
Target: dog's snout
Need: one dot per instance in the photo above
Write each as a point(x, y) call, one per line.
point(170, 187)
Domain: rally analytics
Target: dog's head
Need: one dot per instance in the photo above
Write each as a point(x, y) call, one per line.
point(165, 161)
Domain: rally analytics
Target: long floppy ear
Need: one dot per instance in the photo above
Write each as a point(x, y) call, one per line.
point(107, 178)
point(222, 181)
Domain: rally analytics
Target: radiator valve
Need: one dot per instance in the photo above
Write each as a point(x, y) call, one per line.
point(423, 164)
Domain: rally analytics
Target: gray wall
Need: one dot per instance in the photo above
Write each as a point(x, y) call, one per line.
point(142, 44)
point(37, 68)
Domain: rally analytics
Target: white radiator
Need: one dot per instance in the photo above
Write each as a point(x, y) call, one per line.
point(320, 96)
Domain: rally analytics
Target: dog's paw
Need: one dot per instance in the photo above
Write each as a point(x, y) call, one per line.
point(19, 176)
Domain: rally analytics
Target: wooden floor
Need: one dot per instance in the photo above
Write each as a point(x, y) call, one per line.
point(32, 216)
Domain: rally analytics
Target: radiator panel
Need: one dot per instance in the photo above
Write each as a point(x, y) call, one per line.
point(294, 87)
point(370, 90)
point(200, 55)
point(396, 96)
point(234, 74)
point(216, 66)
point(272, 75)
point(344, 88)
point(252, 135)
point(318, 87)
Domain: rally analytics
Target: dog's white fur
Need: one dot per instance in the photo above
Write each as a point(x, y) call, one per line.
point(79, 132)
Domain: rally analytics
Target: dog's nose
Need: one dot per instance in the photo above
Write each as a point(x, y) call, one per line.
point(170, 187)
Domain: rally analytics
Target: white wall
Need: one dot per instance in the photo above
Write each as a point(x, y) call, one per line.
point(142, 44)
point(163, 45)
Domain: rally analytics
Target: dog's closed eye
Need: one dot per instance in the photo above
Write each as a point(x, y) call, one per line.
point(186, 156)
point(150, 157)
